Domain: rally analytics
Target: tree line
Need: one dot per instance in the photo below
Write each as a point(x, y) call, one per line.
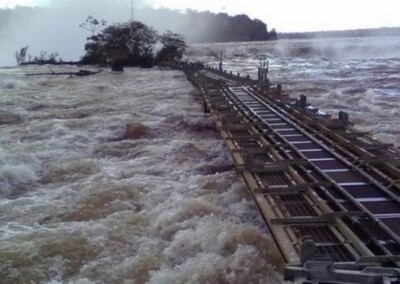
point(195, 26)
point(201, 27)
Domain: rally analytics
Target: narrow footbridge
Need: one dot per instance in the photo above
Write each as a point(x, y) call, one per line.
point(329, 194)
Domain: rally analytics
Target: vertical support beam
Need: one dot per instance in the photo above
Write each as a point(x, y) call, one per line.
point(221, 60)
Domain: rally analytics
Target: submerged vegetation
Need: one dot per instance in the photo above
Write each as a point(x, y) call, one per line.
point(20, 55)
point(23, 58)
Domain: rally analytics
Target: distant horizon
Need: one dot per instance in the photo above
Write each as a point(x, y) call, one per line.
point(346, 30)
point(286, 16)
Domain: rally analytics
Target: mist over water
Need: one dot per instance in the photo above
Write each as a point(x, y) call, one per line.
point(357, 75)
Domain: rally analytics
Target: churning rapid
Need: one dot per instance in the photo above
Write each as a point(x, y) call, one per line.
point(358, 75)
point(121, 178)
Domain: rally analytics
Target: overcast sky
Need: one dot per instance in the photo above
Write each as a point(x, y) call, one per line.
point(286, 15)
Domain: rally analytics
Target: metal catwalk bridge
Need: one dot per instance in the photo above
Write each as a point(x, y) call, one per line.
point(330, 195)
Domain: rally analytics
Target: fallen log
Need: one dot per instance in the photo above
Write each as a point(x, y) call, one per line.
point(80, 73)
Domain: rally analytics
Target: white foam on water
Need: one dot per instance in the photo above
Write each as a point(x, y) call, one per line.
point(17, 171)
point(357, 75)
point(122, 179)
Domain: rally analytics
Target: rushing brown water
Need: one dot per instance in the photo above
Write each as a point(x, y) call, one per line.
point(120, 178)
point(358, 75)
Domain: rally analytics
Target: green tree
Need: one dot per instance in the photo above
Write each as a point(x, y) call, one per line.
point(174, 47)
point(142, 41)
point(131, 42)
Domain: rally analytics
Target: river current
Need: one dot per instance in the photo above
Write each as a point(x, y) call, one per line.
point(121, 178)
point(358, 75)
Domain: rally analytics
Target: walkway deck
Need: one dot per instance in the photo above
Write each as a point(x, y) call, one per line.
point(329, 194)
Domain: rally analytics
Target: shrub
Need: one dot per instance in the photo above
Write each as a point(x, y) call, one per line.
point(20, 55)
